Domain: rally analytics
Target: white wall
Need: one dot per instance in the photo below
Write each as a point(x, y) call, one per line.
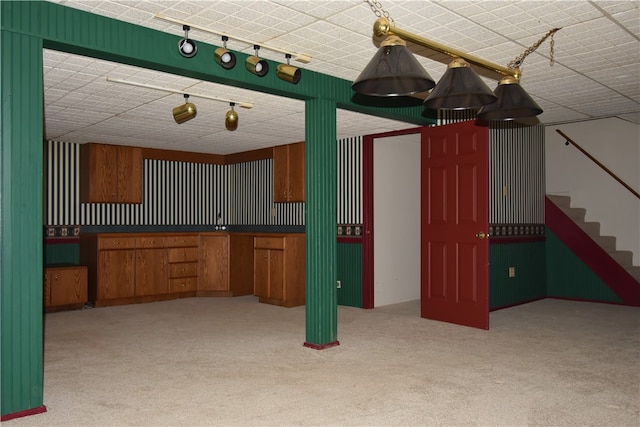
point(396, 216)
point(616, 144)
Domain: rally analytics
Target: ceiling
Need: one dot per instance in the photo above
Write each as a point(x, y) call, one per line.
point(596, 73)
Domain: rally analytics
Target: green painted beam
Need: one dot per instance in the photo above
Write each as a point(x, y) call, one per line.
point(21, 223)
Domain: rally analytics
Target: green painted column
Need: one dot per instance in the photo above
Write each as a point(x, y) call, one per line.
point(321, 153)
point(21, 279)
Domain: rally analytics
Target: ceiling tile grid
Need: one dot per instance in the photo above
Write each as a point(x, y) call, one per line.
point(596, 74)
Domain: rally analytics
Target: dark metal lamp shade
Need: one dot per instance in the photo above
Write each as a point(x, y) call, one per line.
point(393, 71)
point(513, 102)
point(460, 88)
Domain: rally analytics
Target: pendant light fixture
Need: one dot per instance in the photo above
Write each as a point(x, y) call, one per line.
point(255, 65)
point(185, 112)
point(459, 88)
point(186, 46)
point(512, 102)
point(287, 72)
point(393, 71)
point(224, 57)
point(231, 118)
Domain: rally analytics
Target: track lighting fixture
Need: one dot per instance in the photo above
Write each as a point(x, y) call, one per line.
point(287, 72)
point(186, 46)
point(231, 118)
point(184, 112)
point(255, 65)
point(224, 57)
point(459, 88)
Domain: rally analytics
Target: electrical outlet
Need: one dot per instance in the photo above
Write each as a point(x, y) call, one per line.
point(512, 272)
point(338, 284)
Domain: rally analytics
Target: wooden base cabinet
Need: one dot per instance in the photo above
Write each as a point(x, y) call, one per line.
point(279, 269)
point(65, 287)
point(226, 264)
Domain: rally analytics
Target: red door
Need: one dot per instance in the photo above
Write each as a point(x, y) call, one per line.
point(455, 223)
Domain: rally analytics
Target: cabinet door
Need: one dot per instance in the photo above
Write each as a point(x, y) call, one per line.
point(151, 272)
point(214, 263)
point(281, 173)
point(129, 182)
point(99, 173)
point(68, 286)
point(276, 274)
point(261, 273)
point(116, 274)
point(296, 172)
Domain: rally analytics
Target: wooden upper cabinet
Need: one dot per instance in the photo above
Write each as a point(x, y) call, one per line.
point(110, 174)
point(288, 173)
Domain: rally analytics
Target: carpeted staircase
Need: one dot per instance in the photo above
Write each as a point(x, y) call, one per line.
point(592, 229)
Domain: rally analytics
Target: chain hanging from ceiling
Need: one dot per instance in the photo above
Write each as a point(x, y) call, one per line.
point(381, 12)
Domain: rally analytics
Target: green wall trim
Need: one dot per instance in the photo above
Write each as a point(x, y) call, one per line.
point(528, 260)
point(350, 274)
point(569, 277)
point(67, 253)
point(21, 249)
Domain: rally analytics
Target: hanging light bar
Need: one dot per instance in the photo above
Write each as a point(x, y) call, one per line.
point(300, 57)
point(213, 98)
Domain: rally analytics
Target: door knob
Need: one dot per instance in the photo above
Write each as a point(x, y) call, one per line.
point(481, 235)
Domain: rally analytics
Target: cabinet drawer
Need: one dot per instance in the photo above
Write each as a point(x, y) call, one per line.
point(107, 243)
point(181, 241)
point(182, 254)
point(183, 269)
point(149, 242)
point(269, 242)
point(185, 284)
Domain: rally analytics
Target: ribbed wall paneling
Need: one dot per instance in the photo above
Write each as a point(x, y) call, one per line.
point(349, 268)
point(21, 252)
point(569, 277)
point(321, 172)
point(516, 174)
point(528, 259)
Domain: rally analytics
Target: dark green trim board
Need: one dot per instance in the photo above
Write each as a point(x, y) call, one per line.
point(350, 273)
point(321, 153)
point(21, 223)
point(528, 260)
point(569, 277)
point(62, 253)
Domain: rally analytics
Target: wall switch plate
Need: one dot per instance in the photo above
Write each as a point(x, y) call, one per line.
point(512, 272)
point(338, 284)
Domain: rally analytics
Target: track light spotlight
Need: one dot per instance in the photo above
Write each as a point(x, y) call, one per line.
point(224, 57)
point(255, 65)
point(231, 118)
point(287, 72)
point(513, 102)
point(184, 112)
point(186, 46)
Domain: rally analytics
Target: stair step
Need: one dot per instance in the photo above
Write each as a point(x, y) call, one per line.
point(634, 272)
point(624, 258)
point(560, 201)
point(576, 214)
point(591, 228)
point(608, 243)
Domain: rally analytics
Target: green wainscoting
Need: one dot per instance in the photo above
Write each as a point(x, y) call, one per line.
point(62, 253)
point(569, 277)
point(528, 260)
point(349, 268)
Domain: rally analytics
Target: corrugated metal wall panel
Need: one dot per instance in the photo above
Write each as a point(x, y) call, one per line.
point(349, 270)
point(21, 274)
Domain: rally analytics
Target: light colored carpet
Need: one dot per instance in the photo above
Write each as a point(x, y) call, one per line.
point(234, 361)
